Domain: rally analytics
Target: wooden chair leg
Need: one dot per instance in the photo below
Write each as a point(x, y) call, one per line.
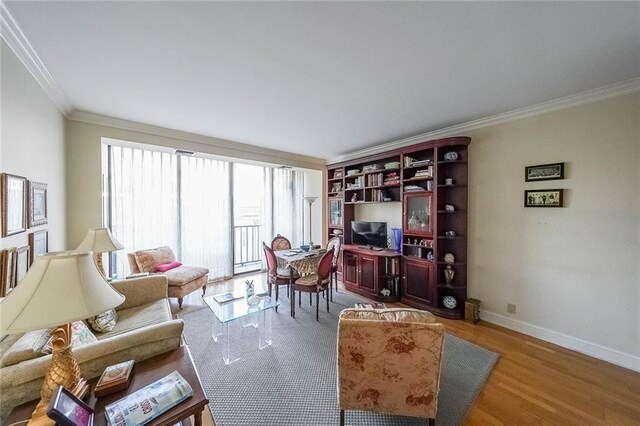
point(317, 305)
point(204, 290)
point(180, 302)
point(269, 285)
point(432, 422)
point(310, 302)
point(327, 303)
point(300, 299)
point(341, 417)
point(277, 292)
point(293, 302)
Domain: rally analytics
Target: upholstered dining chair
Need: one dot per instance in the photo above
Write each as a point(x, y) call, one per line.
point(280, 243)
point(313, 283)
point(395, 367)
point(334, 245)
point(277, 276)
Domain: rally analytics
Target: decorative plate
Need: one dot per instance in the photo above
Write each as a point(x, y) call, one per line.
point(449, 258)
point(337, 232)
point(449, 302)
point(450, 156)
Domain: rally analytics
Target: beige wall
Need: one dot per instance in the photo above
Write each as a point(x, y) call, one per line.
point(573, 272)
point(84, 145)
point(32, 144)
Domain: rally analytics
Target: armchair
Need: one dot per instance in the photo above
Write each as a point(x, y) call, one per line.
point(389, 361)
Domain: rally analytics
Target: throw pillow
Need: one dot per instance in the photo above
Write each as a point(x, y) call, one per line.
point(164, 267)
point(104, 322)
point(80, 336)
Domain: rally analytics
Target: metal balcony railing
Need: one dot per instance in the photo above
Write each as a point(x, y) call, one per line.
point(246, 246)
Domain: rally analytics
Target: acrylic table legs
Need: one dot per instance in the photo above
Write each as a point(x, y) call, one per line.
point(261, 320)
point(264, 329)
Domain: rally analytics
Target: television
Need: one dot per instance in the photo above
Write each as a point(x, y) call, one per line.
point(372, 234)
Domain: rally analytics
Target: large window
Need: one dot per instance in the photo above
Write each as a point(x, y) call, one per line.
point(185, 202)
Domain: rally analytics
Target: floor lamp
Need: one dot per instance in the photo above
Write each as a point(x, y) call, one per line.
point(310, 201)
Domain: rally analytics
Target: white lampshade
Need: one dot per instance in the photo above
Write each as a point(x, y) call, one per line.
point(310, 200)
point(59, 288)
point(99, 240)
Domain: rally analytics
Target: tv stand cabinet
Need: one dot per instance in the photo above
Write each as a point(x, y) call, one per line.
point(367, 272)
point(430, 180)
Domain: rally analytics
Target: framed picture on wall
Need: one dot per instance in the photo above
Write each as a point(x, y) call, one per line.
point(37, 204)
point(7, 270)
point(22, 263)
point(14, 190)
point(543, 198)
point(544, 172)
point(38, 244)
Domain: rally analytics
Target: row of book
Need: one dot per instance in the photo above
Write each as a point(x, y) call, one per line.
point(428, 172)
point(357, 183)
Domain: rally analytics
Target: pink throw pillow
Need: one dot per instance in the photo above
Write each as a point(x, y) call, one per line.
point(164, 267)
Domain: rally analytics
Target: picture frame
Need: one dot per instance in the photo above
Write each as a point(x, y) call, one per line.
point(13, 191)
point(38, 244)
point(543, 198)
point(553, 171)
point(7, 270)
point(67, 410)
point(37, 204)
point(22, 264)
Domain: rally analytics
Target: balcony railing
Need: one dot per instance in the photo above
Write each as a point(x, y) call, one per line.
point(246, 246)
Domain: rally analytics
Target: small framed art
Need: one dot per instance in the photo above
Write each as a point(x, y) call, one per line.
point(543, 198)
point(544, 172)
point(37, 204)
point(14, 216)
point(38, 244)
point(22, 263)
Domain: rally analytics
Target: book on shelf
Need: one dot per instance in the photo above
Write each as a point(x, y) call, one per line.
point(146, 404)
point(114, 378)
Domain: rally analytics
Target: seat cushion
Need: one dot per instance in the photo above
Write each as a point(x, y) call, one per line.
point(184, 274)
point(310, 281)
point(285, 273)
point(148, 259)
point(137, 317)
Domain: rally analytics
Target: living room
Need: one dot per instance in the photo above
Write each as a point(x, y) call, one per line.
point(276, 97)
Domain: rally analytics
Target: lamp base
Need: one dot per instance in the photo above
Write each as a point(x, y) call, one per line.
point(62, 371)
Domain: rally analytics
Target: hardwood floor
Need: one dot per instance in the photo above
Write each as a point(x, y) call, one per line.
point(533, 383)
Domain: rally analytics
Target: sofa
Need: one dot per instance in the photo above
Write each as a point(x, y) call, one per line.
point(389, 361)
point(182, 279)
point(145, 328)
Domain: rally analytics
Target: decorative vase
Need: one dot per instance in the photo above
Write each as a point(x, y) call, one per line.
point(448, 275)
point(397, 239)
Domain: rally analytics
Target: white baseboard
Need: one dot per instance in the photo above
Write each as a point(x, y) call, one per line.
point(613, 356)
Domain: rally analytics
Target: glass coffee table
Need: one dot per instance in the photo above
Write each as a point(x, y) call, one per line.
point(258, 316)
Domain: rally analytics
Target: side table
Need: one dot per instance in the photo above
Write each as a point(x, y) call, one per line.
point(144, 373)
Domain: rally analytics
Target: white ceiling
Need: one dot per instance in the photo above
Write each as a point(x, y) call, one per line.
point(323, 79)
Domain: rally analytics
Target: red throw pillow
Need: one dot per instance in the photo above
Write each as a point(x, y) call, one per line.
point(164, 267)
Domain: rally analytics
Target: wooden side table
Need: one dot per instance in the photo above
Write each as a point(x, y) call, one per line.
point(144, 373)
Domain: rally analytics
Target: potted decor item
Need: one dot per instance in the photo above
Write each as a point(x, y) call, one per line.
point(448, 275)
point(397, 239)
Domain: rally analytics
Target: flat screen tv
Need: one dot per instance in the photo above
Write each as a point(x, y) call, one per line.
point(369, 234)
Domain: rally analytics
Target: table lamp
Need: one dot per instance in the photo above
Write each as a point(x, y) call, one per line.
point(99, 240)
point(310, 200)
point(59, 288)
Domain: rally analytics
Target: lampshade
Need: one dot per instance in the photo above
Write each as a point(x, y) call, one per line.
point(59, 288)
point(310, 200)
point(99, 240)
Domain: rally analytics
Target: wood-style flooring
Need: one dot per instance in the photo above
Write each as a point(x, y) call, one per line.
point(533, 383)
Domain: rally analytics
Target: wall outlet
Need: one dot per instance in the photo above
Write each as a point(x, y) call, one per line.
point(511, 308)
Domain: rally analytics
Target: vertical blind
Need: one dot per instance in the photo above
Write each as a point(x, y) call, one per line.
point(158, 198)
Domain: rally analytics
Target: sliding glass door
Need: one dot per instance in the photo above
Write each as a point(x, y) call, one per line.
point(248, 212)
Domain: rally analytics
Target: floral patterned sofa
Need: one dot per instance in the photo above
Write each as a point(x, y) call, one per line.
point(182, 279)
point(389, 361)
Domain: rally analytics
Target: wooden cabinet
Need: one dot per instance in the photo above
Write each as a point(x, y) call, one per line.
point(431, 181)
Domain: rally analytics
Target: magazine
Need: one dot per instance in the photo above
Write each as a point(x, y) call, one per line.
point(146, 404)
point(229, 296)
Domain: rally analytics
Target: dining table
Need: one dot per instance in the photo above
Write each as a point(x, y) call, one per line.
point(303, 262)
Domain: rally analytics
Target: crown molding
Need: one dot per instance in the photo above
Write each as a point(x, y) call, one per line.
point(594, 95)
point(276, 156)
point(15, 38)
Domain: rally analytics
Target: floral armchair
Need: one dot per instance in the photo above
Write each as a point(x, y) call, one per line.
point(389, 361)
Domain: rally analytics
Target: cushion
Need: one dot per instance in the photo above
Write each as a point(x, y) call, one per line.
point(310, 280)
point(148, 259)
point(184, 274)
point(134, 318)
point(284, 272)
point(104, 322)
point(392, 314)
point(164, 267)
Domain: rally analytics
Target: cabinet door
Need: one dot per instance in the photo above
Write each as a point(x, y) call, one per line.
point(368, 274)
point(350, 268)
point(418, 213)
point(416, 280)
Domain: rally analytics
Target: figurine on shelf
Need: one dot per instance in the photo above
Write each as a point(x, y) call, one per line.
point(448, 275)
point(449, 208)
point(430, 255)
point(354, 197)
point(385, 292)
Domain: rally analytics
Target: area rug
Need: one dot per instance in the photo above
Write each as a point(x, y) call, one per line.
point(293, 381)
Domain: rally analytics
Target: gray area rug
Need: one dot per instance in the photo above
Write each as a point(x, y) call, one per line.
point(293, 381)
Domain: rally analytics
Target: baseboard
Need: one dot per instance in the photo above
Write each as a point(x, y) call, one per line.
point(613, 356)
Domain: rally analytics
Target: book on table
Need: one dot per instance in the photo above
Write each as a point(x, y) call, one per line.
point(150, 402)
point(115, 378)
point(229, 296)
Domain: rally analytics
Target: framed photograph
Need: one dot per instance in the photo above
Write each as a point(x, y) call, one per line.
point(544, 172)
point(7, 270)
point(37, 204)
point(14, 217)
point(38, 244)
point(338, 174)
point(67, 410)
point(22, 263)
point(543, 198)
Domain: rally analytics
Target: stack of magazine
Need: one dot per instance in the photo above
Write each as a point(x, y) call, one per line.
point(150, 402)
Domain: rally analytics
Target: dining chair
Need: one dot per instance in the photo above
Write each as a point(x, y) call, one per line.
point(277, 276)
point(313, 283)
point(334, 245)
point(280, 243)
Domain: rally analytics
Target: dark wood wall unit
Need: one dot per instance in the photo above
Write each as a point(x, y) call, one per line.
point(431, 183)
point(368, 272)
